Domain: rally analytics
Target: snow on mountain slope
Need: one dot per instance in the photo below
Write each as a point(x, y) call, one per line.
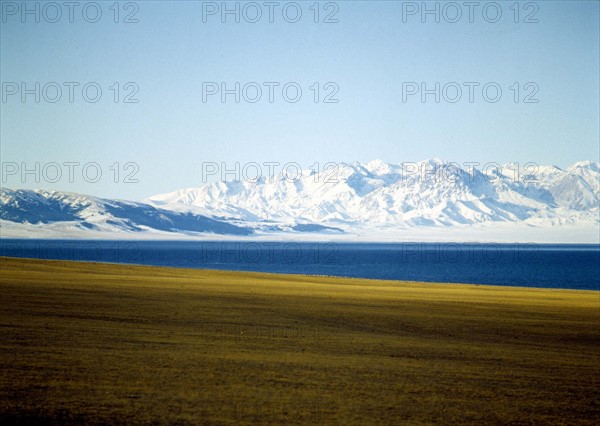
point(75, 211)
point(375, 201)
point(428, 193)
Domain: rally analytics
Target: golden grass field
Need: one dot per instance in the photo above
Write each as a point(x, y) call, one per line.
point(119, 344)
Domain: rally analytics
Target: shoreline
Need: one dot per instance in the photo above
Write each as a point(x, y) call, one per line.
point(288, 276)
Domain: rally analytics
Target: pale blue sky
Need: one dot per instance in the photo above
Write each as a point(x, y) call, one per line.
point(369, 53)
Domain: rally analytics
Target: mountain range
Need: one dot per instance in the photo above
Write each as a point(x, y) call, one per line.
point(351, 201)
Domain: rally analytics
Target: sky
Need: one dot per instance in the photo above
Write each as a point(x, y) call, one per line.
point(364, 63)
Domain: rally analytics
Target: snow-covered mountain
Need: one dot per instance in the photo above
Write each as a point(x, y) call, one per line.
point(430, 200)
point(66, 213)
point(429, 193)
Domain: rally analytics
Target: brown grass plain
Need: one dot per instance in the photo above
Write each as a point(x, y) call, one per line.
point(85, 343)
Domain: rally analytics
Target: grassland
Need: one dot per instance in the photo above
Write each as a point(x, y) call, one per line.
point(119, 344)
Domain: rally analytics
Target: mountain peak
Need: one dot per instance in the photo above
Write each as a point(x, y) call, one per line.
point(378, 167)
point(371, 196)
point(591, 165)
point(433, 162)
point(380, 192)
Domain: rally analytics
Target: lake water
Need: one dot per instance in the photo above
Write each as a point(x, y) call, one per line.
point(530, 265)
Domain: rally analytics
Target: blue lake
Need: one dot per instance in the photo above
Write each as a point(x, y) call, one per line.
point(530, 265)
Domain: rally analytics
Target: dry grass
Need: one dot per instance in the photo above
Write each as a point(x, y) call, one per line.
point(98, 343)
